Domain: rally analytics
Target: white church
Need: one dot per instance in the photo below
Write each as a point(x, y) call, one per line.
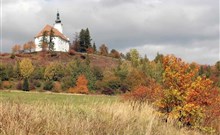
point(61, 42)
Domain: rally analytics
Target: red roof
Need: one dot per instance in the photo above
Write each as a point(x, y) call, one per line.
point(48, 29)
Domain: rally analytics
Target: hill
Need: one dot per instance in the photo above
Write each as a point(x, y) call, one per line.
point(44, 58)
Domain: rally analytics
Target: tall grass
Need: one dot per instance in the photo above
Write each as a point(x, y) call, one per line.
point(46, 118)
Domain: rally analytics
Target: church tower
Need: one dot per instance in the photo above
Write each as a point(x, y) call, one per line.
point(58, 25)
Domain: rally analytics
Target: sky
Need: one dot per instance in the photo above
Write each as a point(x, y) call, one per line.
point(188, 29)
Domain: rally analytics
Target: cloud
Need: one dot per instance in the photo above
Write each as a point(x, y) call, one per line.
point(190, 25)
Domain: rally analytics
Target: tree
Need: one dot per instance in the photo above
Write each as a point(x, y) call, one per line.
point(25, 47)
point(87, 38)
point(76, 43)
point(84, 40)
point(26, 69)
point(51, 42)
point(217, 66)
point(16, 49)
point(135, 57)
point(29, 46)
point(114, 53)
point(158, 58)
point(81, 86)
point(187, 95)
point(94, 47)
point(103, 50)
point(54, 72)
point(44, 41)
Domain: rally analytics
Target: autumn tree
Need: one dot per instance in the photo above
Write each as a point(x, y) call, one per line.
point(16, 49)
point(26, 69)
point(114, 53)
point(29, 46)
point(81, 86)
point(54, 72)
point(186, 95)
point(103, 49)
point(25, 47)
point(76, 43)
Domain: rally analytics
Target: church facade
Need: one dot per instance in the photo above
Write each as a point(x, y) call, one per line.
point(61, 42)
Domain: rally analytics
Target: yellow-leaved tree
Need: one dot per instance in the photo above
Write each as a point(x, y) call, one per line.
point(187, 96)
point(26, 69)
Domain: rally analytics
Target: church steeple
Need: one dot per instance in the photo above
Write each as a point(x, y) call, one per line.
point(58, 25)
point(58, 18)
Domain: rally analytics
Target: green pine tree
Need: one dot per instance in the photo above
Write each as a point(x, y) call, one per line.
point(51, 42)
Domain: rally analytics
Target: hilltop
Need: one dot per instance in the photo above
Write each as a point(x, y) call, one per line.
point(44, 58)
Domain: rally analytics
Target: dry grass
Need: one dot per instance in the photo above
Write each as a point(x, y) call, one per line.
point(46, 118)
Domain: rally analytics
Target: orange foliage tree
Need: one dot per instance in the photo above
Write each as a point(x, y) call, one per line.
point(186, 95)
point(81, 86)
point(16, 48)
point(29, 46)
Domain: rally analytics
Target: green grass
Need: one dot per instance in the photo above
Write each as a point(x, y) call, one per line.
point(57, 98)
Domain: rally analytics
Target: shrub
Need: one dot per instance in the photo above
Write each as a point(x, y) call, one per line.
point(31, 86)
point(12, 56)
point(107, 91)
point(57, 87)
point(6, 85)
point(81, 86)
point(54, 72)
point(19, 86)
point(48, 85)
point(72, 52)
point(37, 83)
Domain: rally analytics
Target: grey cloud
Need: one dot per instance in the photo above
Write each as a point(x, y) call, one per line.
point(121, 24)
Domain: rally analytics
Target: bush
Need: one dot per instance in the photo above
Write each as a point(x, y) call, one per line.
point(81, 86)
point(72, 52)
point(48, 85)
point(57, 87)
point(37, 83)
point(6, 85)
point(19, 86)
point(107, 91)
point(31, 87)
point(12, 56)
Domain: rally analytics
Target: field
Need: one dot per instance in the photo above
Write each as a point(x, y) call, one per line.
point(55, 114)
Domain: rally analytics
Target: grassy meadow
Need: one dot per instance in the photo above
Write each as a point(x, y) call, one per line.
point(31, 113)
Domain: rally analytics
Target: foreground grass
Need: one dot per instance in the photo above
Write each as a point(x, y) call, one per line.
point(67, 115)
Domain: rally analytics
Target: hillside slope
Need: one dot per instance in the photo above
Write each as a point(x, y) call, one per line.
point(42, 58)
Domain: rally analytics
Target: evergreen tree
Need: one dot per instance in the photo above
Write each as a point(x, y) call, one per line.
point(84, 40)
point(26, 85)
point(87, 38)
point(51, 42)
point(159, 58)
point(94, 47)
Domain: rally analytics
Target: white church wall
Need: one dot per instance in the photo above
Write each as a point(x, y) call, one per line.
point(59, 44)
